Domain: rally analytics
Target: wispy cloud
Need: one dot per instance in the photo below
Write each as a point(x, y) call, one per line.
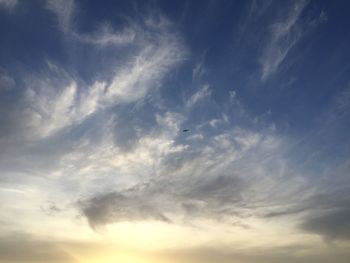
point(8, 4)
point(105, 36)
point(66, 13)
point(323, 208)
point(72, 129)
point(199, 70)
point(198, 183)
point(284, 35)
point(6, 81)
point(64, 10)
point(53, 105)
point(106, 138)
point(146, 70)
point(202, 93)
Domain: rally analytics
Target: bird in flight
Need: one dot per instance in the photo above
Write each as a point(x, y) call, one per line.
point(185, 130)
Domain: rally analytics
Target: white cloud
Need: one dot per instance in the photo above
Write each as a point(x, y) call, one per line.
point(50, 112)
point(116, 168)
point(105, 35)
point(52, 106)
point(224, 177)
point(284, 35)
point(146, 70)
point(199, 70)
point(202, 93)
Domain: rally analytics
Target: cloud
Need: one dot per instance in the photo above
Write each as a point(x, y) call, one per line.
point(332, 224)
point(6, 81)
point(8, 4)
point(58, 100)
point(146, 70)
point(207, 181)
point(113, 147)
point(202, 93)
point(328, 209)
point(322, 207)
point(64, 10)
point(342, 102)
point(114, 207)
point(66, 13)
point(49, 111)
point(60, 130)
point(284, 35)
point(161, 200)
point(254, 11)
point(105, 36)
point(199, 70)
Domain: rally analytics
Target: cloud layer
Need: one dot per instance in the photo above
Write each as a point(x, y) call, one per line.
point(93, 142)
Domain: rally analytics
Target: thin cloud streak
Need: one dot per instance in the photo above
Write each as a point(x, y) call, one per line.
point(64, 10)
point(93, 111)
point(284, 35)
point(8, 4)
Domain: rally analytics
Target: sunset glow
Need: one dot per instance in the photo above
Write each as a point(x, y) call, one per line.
point(174, 131)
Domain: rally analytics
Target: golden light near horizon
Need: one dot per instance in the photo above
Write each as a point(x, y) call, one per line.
point(120, 257)
point(174, 131)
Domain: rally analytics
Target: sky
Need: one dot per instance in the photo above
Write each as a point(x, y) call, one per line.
point(95, 166)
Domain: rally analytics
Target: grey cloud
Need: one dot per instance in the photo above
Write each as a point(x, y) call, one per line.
point(329, 214)
point(114, 207)
point(214, 197)
point(217, 179)
point(221, 190)
point(34, 158)
point(333, 224)
point(292, 210)
point(323, 207)
point(318, 201)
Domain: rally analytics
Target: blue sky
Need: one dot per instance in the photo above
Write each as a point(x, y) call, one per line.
point(94, 98)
